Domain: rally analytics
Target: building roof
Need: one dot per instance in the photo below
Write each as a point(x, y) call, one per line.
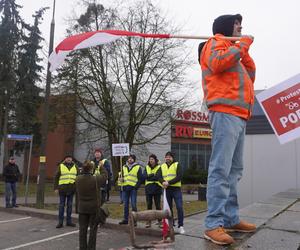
point(258, 124)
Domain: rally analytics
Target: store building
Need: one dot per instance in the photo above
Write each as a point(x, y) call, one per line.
point(191, 138)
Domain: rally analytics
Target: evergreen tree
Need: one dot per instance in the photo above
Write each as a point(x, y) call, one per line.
point(29, 75)
point(11, 25)
point(20, 72)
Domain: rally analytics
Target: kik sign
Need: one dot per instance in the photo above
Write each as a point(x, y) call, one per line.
point(192, 132)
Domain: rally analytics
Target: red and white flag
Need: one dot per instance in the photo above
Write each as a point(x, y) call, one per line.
point(90, 39)
point(166, 226)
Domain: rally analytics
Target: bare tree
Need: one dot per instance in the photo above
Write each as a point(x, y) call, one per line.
point(131, 84)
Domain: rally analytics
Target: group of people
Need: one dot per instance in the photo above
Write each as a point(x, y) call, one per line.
point(156, 177)
point(90, 184)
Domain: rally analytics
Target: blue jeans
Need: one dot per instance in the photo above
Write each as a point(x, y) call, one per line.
point(62, 200)
point(225, 169)
point(174, 193)
point(132, 194)
point(10, 190)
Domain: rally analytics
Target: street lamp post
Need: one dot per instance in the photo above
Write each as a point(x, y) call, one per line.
point(42, 167)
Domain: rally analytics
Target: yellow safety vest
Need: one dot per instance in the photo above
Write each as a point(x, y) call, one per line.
point(149, 171)
point(97, 168)
point(130, 177)
point(67, 176)
point(169, 173)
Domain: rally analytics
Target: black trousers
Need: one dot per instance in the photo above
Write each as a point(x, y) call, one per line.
point(85, 221)
point(149, 199)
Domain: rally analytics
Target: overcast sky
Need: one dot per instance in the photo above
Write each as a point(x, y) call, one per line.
point(274, 24)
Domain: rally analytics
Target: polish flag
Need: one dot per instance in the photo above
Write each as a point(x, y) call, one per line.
point(90, 39)
point(166, 226)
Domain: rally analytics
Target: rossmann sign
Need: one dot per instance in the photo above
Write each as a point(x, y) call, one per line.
point(190, 116)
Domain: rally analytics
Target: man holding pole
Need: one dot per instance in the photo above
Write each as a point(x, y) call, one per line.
point(228, 74)
point(171, 181)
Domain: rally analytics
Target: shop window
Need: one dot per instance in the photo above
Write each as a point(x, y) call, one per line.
point(184, 155)
point(193, 156)
point(207, 155)
point(175, 151)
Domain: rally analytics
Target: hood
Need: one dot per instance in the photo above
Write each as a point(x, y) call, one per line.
point(200, 47)
point(224, 24)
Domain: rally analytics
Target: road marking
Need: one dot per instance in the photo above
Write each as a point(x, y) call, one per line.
point(40, 241)
point(23, 218)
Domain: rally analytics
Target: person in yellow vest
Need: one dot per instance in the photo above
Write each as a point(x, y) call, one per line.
point(171, 181)
point(100, 161)
point(153, 188)
point(132, 178)
point(64, 186)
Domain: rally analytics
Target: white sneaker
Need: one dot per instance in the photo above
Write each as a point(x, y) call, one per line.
point(181, 230)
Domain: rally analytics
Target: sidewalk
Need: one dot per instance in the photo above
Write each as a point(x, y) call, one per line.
point(277, 218)
point(114, 199)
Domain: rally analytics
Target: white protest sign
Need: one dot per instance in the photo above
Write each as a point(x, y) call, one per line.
point(281, 105)
point(120, 149)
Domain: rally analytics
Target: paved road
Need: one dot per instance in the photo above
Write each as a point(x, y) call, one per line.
point(25, 232)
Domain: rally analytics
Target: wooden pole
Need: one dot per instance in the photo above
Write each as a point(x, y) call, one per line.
point(122, 174)
point(231, 38)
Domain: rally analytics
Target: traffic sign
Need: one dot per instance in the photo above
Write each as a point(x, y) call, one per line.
point(19, 137)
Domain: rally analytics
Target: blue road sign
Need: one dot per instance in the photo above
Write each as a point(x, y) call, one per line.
point(19, 137)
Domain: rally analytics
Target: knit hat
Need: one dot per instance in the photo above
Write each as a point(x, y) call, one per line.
point(68, 156)
point(224, 24)
point(170, 154)
point(98, 150)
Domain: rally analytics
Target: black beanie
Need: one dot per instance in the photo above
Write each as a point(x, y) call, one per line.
point(224, 24)
point(68, 156)
point(170, 154)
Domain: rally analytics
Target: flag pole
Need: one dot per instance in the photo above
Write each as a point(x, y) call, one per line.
point(231, 38)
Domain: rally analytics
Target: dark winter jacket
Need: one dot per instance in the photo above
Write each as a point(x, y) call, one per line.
point(86, 190)
point(11, 173)
point(65, 188)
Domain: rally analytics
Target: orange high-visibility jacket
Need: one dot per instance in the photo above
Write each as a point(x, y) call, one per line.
point(228, 74)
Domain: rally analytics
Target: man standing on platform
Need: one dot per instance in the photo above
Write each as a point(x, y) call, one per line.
point(228, 74)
